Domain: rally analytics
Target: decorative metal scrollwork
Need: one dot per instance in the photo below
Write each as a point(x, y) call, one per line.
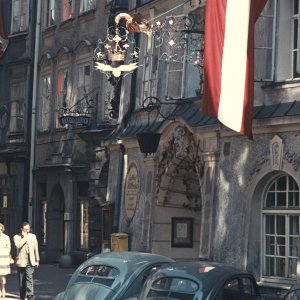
point(83, 106)
point(78, 114)
point(181, 38)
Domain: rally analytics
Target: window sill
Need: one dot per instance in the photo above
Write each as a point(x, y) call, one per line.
point(43, 132)
point(87, 12)
point(17, 34)
point(49, 28)
point(60, 129)
point(67, 22)
point(145, 3)
point(15, 133)
point(279, 285)
point(280, 84)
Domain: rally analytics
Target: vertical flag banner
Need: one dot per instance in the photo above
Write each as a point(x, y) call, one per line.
point(228, 88)
point(3, 38)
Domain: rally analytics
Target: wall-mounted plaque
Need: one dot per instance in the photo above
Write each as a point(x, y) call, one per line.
point(182, 232)
point(131, 191)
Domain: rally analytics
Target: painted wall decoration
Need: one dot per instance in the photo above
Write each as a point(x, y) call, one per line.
point(131, 191)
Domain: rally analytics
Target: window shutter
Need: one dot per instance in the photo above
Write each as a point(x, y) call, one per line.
point(264, 43)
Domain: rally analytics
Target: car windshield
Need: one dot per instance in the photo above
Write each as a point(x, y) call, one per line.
point(101, 274)
point(173, 288)
point(101, 271)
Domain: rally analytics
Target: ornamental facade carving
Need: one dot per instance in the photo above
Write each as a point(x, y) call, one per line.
point(180, 165)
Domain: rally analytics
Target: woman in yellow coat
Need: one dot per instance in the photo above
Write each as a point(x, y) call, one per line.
point(5, 248)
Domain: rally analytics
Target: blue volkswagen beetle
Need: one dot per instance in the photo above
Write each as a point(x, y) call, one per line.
point(199, 280)
point(112, 276)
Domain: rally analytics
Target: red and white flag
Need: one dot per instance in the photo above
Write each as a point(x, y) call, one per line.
point(228, 88)
point(3, 38)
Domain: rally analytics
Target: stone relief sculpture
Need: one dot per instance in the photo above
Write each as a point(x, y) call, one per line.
point(275, 156)
point(181, 158)
point(276, 152)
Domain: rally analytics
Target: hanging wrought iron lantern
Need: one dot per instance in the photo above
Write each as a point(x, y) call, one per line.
point(148, 142)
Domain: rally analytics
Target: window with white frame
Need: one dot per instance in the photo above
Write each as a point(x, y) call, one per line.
point(296, 40)
point(264, 43)
point(19, 19)
point(67, 9)
point(84, 214)
point(51, 10)
point(281, 221)
point(278, 42)
point(174, 88)
point(17, 97)
point(84, 224)
point(63, 97)
point(150, 71)
point(42, 195)
point(288, 15)
point(44, 223)
point(171, 69)
point(45, 101)
point(162, 78)
point(86, 5)
point(84, 79)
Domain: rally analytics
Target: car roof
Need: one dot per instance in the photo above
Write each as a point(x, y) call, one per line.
point(209, 275)
point(124, 257)
point(129, 264)
point(198, 268)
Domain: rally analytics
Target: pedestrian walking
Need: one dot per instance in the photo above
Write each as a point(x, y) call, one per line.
point(5, 257)
point(27, 260)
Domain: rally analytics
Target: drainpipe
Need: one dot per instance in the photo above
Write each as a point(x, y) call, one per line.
point(121, 172)
point(33, 111)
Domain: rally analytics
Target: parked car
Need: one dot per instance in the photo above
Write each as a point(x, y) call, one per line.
point(111, 276)
point(200, 280)
point(293, 293)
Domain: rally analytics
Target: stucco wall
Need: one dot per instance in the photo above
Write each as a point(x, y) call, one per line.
point(243, 171)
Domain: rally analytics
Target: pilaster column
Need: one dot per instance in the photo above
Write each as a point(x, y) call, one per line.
point(210, 161)
point(150, 162)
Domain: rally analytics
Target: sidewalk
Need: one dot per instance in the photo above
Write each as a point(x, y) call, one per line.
point(49, 280)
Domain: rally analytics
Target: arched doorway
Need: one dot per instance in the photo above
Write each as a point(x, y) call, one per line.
point(178, 176)
point(55, 224)
point(178, 194)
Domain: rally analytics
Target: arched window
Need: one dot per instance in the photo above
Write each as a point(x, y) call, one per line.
point(281, 219)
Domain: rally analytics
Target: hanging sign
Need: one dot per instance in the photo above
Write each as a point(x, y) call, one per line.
point(74, 120)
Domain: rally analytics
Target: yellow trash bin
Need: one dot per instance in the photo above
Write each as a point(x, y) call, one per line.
point(119, 242)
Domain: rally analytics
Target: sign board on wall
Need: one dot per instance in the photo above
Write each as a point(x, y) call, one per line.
point(131, 191)
point(74, 120)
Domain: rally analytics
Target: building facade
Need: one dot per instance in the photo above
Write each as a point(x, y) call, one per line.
point(205, 191)
point(18, 20)
point(73, 107)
